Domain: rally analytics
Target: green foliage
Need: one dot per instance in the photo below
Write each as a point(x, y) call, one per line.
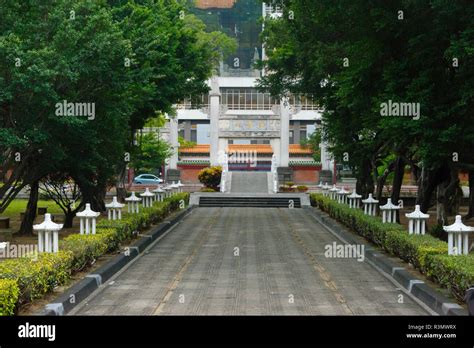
point(352, 56)
point(85, 249)
point(23, 280)
point(9, 293)
point(207, 189)
point(186, 144)
point(150, 154)
point(426, 253)
point(453, 272)
point(36, 278)
point(211, 177)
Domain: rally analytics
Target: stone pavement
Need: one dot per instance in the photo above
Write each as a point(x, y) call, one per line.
point(247, 261)
point(249, 182)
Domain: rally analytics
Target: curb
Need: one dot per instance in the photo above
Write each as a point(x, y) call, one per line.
point(414, 286)
point(90, 283)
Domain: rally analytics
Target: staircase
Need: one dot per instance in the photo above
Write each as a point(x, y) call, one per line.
point(267, 201)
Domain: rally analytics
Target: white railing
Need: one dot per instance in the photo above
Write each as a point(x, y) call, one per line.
point(225, 171)
point(274, 174)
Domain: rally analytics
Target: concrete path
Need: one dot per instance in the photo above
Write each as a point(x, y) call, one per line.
point(249, 182)
point(247, 261)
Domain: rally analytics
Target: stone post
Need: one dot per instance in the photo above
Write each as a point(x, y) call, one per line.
point(214, 113)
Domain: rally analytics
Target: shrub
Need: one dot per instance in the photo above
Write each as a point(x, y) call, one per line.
point(35, 278)
point(23, 280)
point(208, 189)
point(85, 249)
point(453, 272)
point(9, 293)
point(302, 188)
point(211, 177)
point(427, 253)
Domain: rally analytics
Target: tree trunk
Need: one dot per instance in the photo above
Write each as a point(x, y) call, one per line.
point(428, 180)
point(26, 228)
point(120, 184)
point(69, 218)
point(365, 182)
point(398, 179)
point(382, 179)
point(94, 195)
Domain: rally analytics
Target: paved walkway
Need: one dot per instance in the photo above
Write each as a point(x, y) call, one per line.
point(249, 182)
point(247, 261)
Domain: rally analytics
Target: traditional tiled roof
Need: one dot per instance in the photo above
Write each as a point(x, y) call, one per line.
point(295, 149)
point(203, 4)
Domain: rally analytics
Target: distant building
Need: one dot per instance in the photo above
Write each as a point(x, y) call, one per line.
point(234, 117)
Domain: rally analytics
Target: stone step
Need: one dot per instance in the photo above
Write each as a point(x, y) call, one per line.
point(262, 202)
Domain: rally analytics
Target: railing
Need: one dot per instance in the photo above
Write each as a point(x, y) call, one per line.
point(274, 174)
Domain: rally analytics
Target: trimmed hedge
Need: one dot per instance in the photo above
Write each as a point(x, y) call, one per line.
point(36, 278)
point(427, 253)
point(453, 272)
point(23, 280)
point(9, 293)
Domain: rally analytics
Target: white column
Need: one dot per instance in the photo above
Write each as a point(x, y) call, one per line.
point(276, 145)
point(81, 229)
point(47, 241)
point(93, 225)
point(174, 142)
point(214, 112)
point(284, 132)
point(41, 241)
point(55, 241)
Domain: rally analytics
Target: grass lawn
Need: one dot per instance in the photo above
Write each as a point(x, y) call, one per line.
point(18, 206)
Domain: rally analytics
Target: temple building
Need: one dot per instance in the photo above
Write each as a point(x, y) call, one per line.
point(235, 118)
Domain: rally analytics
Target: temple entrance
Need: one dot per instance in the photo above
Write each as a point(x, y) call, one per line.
point(249, 157)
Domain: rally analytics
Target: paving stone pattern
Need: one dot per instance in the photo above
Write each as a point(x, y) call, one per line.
point(280, 270)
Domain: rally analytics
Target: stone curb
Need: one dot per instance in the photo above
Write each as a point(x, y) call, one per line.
point(416, 287)
point(85, 287)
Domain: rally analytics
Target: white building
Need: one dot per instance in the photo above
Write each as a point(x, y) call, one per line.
point(234, 117)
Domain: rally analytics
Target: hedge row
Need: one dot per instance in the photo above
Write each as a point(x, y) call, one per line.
point(23, 280)
point(427, 253)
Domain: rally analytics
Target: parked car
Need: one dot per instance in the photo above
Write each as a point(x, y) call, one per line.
point(147, 179)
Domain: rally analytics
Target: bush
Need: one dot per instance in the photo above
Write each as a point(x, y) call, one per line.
point(207, 189)
point(35, 278)
point(23, 280)
point(302, 188)
point(427, 253)
point(85, 249)
point(9, 293)
point(453, 272)
point(211, 177)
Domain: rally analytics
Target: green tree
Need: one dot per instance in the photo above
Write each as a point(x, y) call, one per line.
point(150, 154)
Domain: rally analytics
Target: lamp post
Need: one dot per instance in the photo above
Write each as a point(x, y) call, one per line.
point(48, 235)
point(88, 219)
point(114, 209)
point(370, 205)
point(458, 237)
point(147, 198)
point(159, 193)
point(325, 190)
point(132, 202)
point(417, 221)
point(354, 200)
point(389, 212)
point(341, 195)
point(333, 192)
